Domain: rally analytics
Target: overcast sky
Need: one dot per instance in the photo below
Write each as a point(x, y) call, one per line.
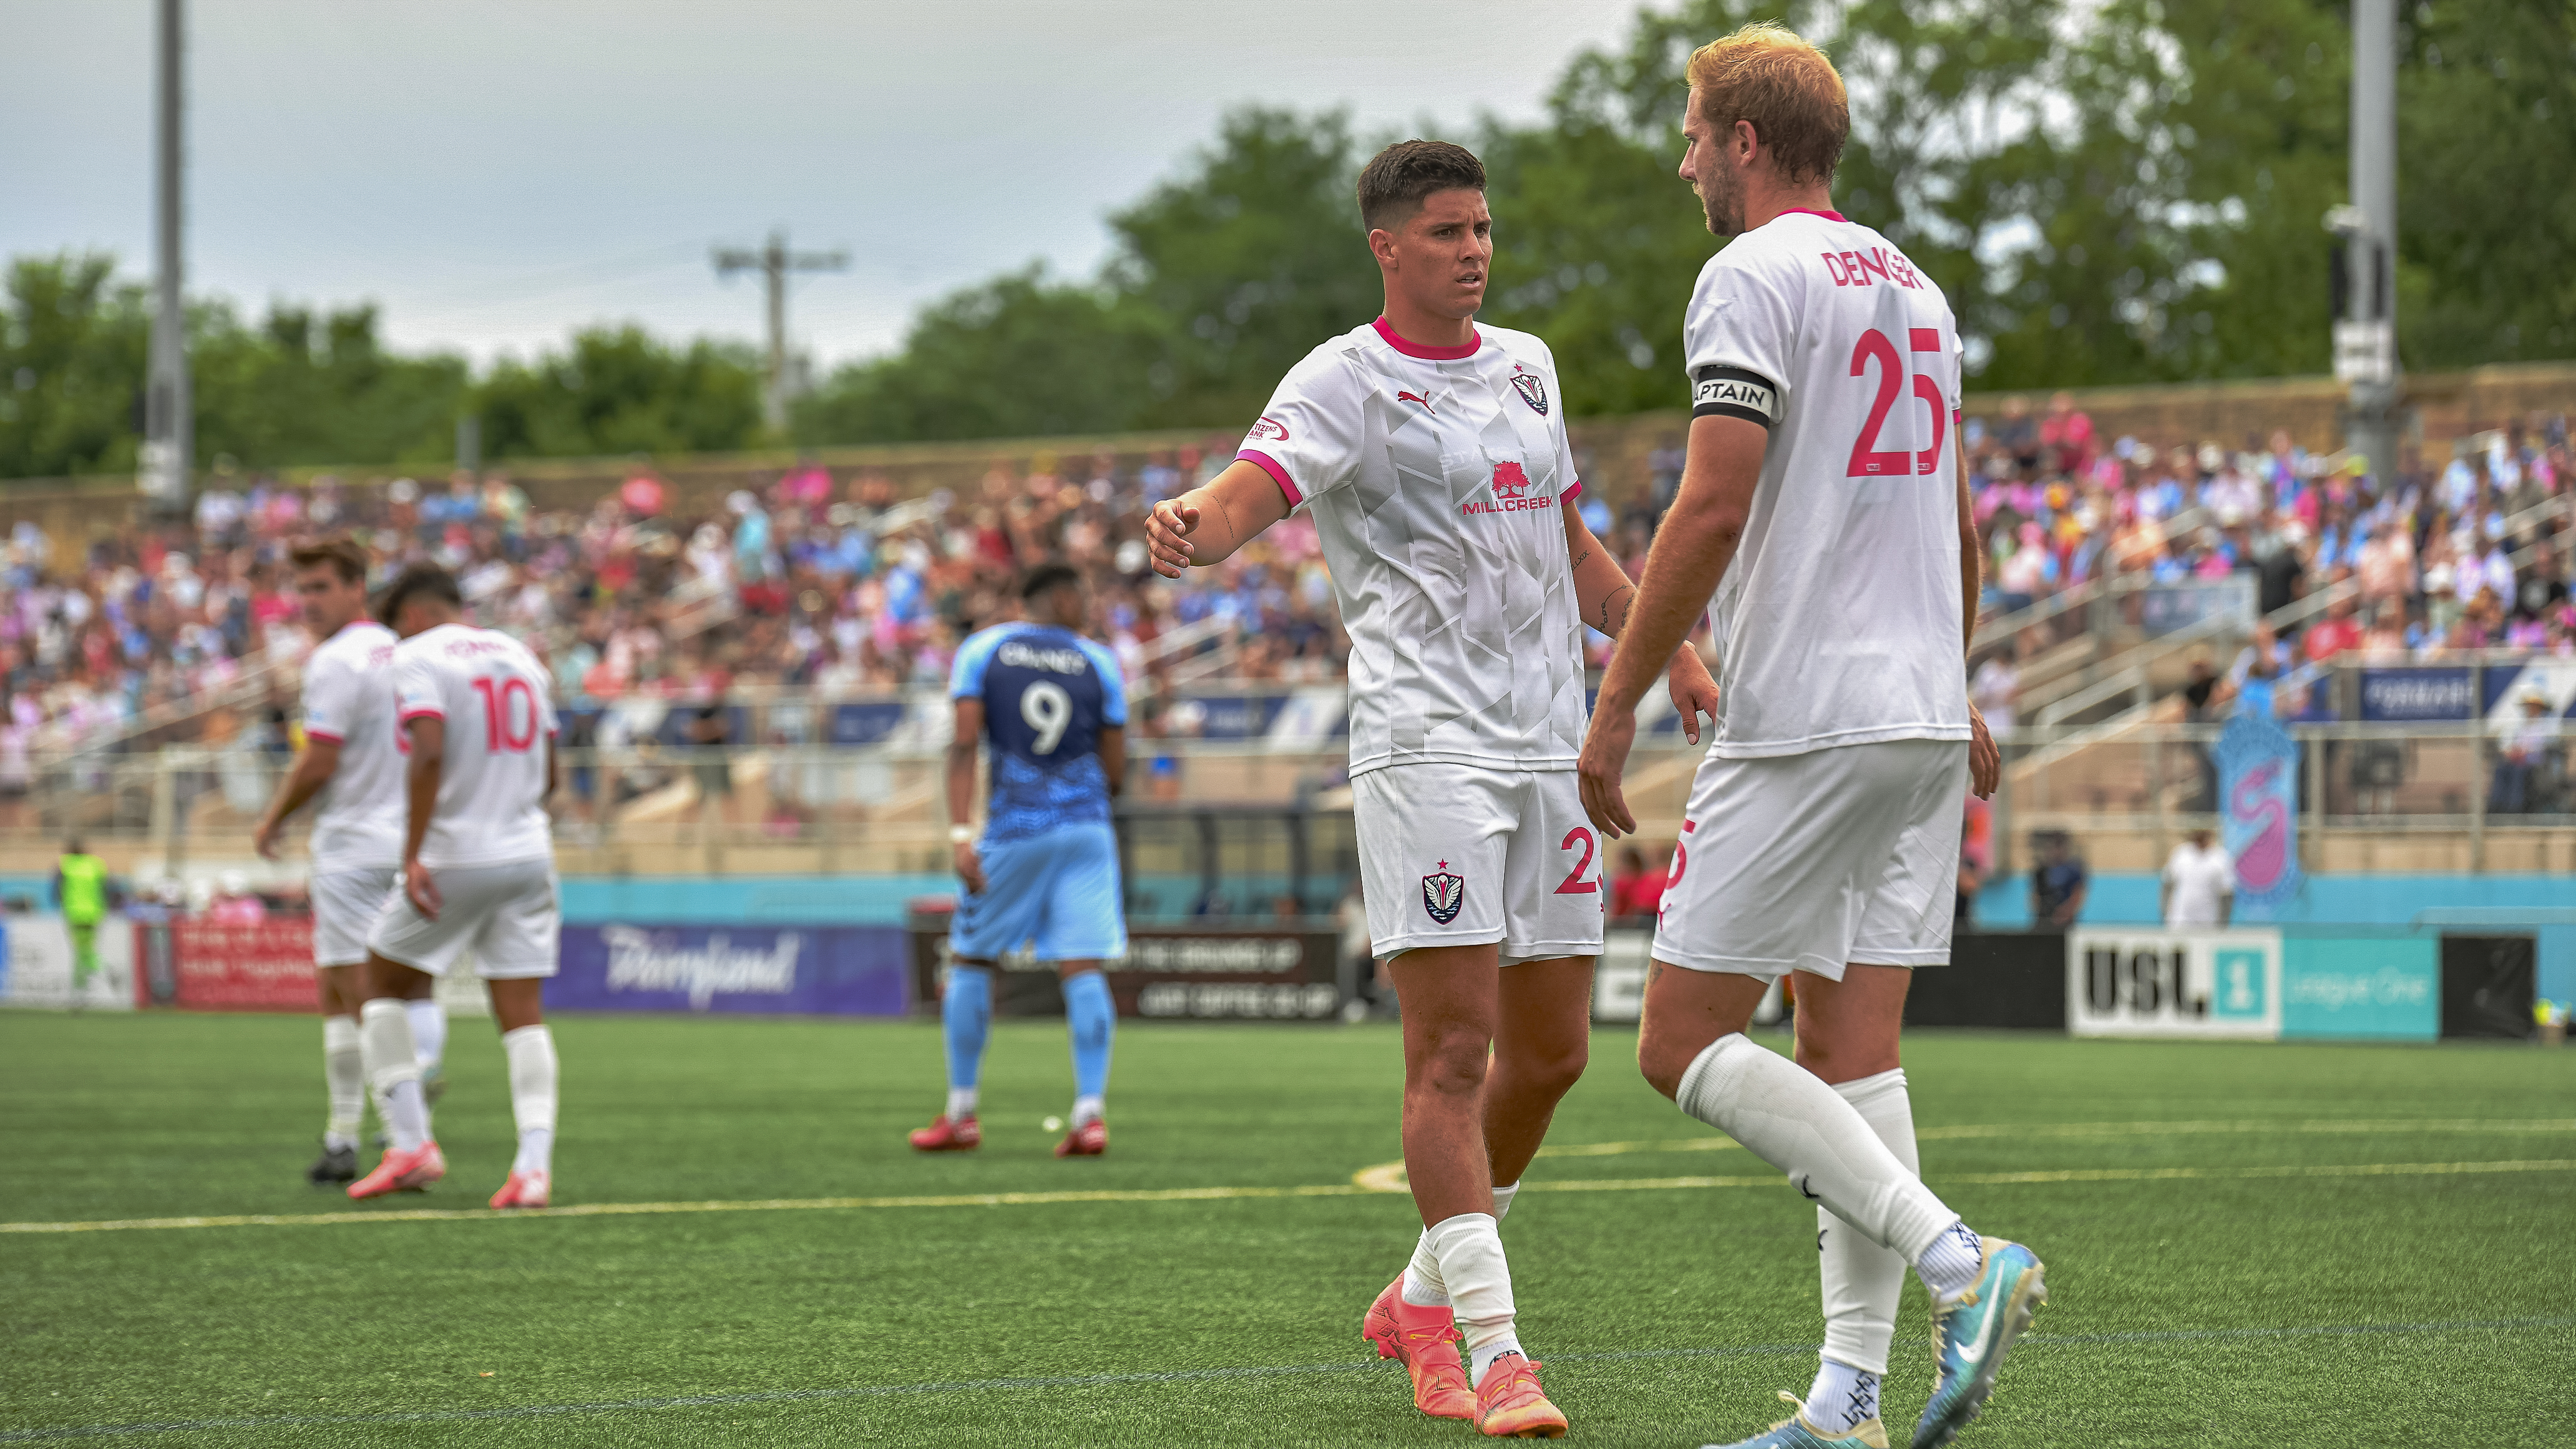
point(496, 174)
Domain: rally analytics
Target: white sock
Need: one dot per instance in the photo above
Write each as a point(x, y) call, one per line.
point(1950, 1265)
point(1786, 1115)
point(1088, 1109)
point(961, 1103)
point(1863, 1281)
point(344, 1073)
point(428, 1031)
point(1843, 1399)
point(1479, 1282)
point(1423, 1287)
point(393, 1069)
point(531, 1050)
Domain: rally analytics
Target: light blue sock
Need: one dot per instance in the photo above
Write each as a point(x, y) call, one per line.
point(966, 1013)
point(1092, 1018)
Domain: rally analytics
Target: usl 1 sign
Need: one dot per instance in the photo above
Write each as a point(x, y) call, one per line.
point(2143, 982)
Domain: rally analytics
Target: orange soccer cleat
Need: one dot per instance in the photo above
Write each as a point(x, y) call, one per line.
point(524, 1190)
point(1511, 1405)
point(943, 1135)
point(396, 1171)
point(1088, 1140)
point(1425, 1341)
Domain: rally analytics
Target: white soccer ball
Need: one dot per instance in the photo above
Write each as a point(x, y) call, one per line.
point(1053, 1124)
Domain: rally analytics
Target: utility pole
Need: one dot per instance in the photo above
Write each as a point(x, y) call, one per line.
point(169, 414)
point(774, 262)
point(2365, 341)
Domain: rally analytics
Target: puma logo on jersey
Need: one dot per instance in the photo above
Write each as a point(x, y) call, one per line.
point(1414, 397)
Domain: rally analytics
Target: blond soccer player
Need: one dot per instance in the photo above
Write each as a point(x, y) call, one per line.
point(1824, 504)
point(1432, 455)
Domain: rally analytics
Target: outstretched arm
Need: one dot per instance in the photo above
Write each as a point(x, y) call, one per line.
point(313, 770)
point(1691, 553)
point(1605, 596)
point(1206, 525)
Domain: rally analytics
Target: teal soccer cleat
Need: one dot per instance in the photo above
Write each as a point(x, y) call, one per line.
point(1794, 1432)
point(1971, 1336)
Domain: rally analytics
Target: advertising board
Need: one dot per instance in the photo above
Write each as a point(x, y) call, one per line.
point(263, 967)
point(788, 970)
point(36, 964)
point(2144, 981)
point(1246, 973)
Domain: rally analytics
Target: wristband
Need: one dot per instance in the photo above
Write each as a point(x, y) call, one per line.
point(961, 834)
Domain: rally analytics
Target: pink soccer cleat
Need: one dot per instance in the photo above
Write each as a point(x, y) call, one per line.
point(1088, 1140)
point(943, 1135)
point(397, 1171)
point(1425, 1341)
point(523, 1190)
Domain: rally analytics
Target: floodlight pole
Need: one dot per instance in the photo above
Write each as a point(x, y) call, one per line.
point(169, 414)
point(774, 262)
point(2366, 335)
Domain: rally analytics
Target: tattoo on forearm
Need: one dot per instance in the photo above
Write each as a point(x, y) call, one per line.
point(1580, 560)
point(1623, 598)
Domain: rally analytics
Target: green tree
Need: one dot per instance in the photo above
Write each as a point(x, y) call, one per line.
point(73, 343)
point(2486, 182)
point(618, 390)
point(303, 388)
point(1019, 356)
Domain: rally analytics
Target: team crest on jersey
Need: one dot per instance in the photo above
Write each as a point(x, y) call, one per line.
point(1443, 892)
point(1532, 390)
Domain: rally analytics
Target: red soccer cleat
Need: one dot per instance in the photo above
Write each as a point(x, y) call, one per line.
point(524, 1190)
point(1088, 1140)
point(1511, 1405)
point(943, 1135)
point(1425, 1341)
point(411, 1171)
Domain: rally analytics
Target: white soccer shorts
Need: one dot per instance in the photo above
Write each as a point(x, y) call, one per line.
point(506, 914)
point(1454, 855)
point(1811, 862)
point(345, 904)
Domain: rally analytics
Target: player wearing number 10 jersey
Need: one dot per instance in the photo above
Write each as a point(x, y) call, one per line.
point(1053, 705)
point(478, 874)
point(1824, 501)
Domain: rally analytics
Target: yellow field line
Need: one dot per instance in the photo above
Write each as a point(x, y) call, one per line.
point(1213, 1194)
point(2103, 1129)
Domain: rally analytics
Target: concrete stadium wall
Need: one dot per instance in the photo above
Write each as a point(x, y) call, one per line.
point(1614, 451)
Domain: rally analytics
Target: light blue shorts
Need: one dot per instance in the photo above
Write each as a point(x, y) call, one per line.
point(1058, 890)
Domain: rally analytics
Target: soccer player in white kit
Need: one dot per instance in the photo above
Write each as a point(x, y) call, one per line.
point(1433, 457)
point(351, 767)
point(1824, 501)
point(478, 873)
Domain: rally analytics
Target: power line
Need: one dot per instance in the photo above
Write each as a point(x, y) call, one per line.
point(775, 262)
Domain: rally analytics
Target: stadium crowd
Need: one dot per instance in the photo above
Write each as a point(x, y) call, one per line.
point(2431, 548)
point(833, 583)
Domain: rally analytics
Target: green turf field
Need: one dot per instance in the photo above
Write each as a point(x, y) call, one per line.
point(2243, 1244)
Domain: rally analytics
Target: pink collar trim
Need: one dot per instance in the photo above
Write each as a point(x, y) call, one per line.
point(1811, 211)
point(1475, 340)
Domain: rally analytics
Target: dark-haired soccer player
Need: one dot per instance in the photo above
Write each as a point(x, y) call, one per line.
point(1822, 834)
point(1433, 457)
point(353, 771)
point(478, 873)
point(1045, 873)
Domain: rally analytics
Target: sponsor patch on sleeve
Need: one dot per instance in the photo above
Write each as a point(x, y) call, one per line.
point(1732, 392)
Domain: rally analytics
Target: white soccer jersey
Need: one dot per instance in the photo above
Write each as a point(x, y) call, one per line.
point(1436, 477)
point(1838, 622)
point(492, 780)
point(349, 702)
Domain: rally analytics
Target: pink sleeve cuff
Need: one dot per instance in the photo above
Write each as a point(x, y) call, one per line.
point(1574, 492)
point(412, 714)
point(323, 736)
point(1278, 475)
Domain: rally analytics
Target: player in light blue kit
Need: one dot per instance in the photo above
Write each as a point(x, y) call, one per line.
point(1054, 706)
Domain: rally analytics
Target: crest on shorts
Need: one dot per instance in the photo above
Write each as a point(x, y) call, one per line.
point(1532, 391)
point(1443, 892)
